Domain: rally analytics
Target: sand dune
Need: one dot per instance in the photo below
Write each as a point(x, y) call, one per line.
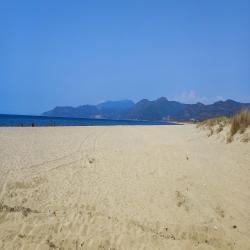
point(124, 187)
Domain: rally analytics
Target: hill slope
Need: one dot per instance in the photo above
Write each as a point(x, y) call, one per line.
point(109, 109)
point(160, 109)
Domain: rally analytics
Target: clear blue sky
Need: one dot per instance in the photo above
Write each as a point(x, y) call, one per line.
point(76, 52)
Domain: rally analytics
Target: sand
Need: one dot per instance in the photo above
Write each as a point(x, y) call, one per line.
point(123, 187)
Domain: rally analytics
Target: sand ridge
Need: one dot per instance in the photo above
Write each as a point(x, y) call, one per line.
point(122, 187)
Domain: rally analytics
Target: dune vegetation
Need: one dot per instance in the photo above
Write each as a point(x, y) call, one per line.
point(236, 124)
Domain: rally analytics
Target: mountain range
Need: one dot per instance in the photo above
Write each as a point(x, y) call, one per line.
point(159, 109)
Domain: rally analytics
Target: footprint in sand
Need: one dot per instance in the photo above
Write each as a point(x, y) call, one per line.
point(24, 210)
point(220, 211)
point(23, 184)
point(181, 200)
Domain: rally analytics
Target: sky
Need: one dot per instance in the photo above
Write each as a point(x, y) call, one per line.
point(69, 53)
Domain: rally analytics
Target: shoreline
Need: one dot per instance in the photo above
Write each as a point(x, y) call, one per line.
point(47, 121)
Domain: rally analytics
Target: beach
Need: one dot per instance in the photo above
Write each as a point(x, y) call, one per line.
point(123, 187)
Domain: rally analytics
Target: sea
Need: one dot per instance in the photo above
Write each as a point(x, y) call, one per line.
point(45, 121)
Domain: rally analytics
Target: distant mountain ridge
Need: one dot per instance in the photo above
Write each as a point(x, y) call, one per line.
point(159, 109)
point(108, 109)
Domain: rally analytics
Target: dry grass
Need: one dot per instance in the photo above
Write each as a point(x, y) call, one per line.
point(213, 122)
point(237, 124)
point(214, 125)
point(240, 122)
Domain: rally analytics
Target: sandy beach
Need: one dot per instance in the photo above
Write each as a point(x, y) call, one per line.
point(123, 187)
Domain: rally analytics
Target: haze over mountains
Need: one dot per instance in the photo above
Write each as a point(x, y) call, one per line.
point(159, 109)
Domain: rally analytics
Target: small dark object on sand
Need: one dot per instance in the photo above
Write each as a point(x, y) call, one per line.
point(92, 160)
point(187, 158)
point(234, 226)
point(21, 236)
point(51, 244)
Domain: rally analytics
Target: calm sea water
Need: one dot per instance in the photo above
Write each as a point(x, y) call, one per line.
point(28, 121)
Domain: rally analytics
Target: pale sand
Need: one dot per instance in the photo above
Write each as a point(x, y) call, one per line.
point(125, 187)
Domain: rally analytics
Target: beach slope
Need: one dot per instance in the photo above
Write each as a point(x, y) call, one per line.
point(123, 187)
